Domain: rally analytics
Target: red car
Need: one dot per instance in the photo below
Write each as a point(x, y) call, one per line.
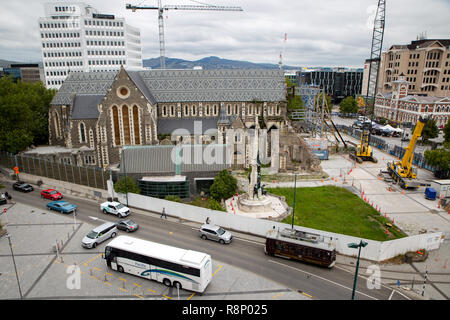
point(51, 194)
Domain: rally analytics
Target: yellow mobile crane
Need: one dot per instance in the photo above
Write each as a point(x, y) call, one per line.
point(402, 171)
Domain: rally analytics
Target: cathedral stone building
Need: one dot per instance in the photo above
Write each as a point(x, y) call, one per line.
point(96, 114)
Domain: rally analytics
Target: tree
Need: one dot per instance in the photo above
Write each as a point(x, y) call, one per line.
point(126, 185)
point(447, 132)
point(224, 186)
point(24, 114)
point(348, 105)
point(439, 157)
point(430, 130)
point(295, 103)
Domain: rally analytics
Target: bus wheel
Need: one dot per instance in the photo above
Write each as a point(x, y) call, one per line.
point(177, 285)
point(167, 282)
point(120, 269)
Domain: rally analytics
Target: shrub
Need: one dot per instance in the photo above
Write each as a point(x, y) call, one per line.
point(224, 186)
point(172, 198)
point(130, 186)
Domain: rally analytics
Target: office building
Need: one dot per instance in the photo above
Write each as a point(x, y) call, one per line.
point(338, 83)
point(76, 38)
point(425, 64)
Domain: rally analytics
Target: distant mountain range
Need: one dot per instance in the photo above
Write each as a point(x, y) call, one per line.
point(211, 63)
point(205, 63)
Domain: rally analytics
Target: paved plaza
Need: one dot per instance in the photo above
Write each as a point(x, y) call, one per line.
point(47, 273)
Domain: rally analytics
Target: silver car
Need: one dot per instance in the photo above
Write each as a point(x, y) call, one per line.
point(216, 233)
point(99, 234)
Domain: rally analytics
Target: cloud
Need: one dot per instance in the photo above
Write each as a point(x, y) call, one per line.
point(320, 33)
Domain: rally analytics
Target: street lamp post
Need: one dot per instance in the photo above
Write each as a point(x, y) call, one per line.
point(293, 209)
point(14, 262)
point(126, 182)
point(361, 244)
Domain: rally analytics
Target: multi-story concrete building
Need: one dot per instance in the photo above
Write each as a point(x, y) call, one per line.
point(424, 63)
point(27, 72)
point(338, 83)
point(76, 38)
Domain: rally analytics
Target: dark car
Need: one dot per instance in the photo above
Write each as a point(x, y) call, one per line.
point(62, 206)
point(22, 186)
point(127, 225)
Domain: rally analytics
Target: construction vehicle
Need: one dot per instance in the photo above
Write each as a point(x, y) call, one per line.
point(363, 151)
point(402, 171)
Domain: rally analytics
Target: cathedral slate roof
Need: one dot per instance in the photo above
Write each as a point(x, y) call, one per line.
point(85, 106)
point(226, 85)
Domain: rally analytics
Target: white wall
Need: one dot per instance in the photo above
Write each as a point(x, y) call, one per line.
point(375, 250)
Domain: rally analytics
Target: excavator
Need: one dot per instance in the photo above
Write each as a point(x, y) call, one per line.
point(402, 171)
point(363, 150)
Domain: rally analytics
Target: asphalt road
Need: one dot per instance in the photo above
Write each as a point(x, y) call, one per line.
point(317, 282)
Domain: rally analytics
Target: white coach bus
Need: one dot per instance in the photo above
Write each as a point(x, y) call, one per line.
point(187, 269)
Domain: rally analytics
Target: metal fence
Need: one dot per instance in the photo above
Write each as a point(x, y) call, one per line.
point(88, 176)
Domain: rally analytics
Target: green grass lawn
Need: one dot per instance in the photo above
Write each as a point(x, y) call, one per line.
point(337, 210)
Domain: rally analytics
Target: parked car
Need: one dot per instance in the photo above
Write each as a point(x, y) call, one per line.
point(216, 233)
point(127, 225)
point(51, 194)
point(99, 234)
point(22, 186)
point(62, 206)
point(115, 208)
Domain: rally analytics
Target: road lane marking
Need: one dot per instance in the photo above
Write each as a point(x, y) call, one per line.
point(277, 295)
point(137, 285)
point(167, 297)
point(96, 257)
point(123, 289)
point(392, 293)
point(138, 296)
point(151, 290)
point(308, 295)
point(124, 280)
point(220, 267)
point(324, 279)
point(95, 268)
point(108, 283)
point(191, 296)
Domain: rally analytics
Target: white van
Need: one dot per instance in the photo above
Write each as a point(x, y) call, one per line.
point(99, 234)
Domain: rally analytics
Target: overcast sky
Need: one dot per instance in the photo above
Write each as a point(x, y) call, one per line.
point(319, 32)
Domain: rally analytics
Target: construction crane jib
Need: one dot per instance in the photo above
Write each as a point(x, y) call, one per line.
point(161, 10)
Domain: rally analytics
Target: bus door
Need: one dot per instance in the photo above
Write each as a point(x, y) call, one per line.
point(113, 262)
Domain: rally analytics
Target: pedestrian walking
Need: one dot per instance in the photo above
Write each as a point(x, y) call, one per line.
point(207, 220)
point(163, 213)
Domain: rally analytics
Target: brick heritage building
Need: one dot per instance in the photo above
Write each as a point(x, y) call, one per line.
point(402, 107)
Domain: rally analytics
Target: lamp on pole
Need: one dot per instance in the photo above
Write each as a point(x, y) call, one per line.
point(361, 244)
point(125, 171)
point(293, 209)
point(14, 263)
